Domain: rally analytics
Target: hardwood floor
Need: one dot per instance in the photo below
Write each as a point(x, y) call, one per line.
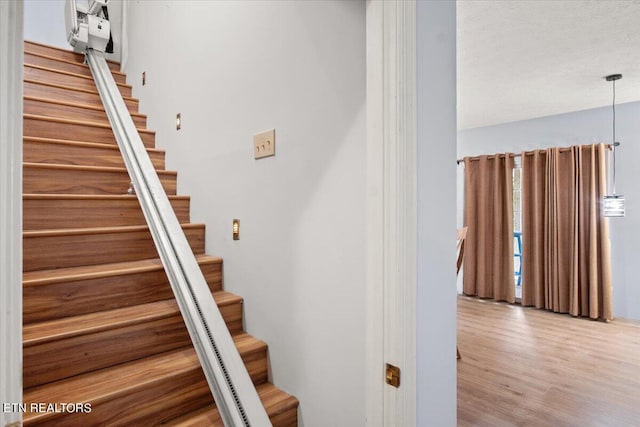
point(527, 367)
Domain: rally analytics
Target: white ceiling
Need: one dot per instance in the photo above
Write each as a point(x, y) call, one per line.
point(520, 59)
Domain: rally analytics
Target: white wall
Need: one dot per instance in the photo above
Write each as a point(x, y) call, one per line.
point(584, 127)
point(44, 23)
point(235, 68)
point(436, 294)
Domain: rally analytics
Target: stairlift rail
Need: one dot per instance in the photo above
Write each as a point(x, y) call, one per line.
point(229, 381)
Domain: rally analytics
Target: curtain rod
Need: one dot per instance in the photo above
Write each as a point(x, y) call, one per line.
point(528, 153)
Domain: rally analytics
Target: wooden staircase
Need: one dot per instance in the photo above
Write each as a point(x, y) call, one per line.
point(101, 325)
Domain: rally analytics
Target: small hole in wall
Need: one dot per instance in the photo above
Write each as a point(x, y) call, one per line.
point(178, 121)
point(144, 78)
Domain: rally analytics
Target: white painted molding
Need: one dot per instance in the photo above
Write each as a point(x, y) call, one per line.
point(391, 207)
point(374, 400)
point(11, 52)
point(124, 35)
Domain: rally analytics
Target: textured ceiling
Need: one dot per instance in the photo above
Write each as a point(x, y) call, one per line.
point(520, 59)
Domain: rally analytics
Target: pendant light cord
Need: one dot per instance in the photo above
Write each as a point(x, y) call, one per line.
point(614, 138)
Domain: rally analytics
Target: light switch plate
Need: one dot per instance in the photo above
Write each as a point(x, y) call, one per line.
point(264, 144)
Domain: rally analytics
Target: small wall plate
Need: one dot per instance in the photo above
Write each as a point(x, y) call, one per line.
point(264, 144)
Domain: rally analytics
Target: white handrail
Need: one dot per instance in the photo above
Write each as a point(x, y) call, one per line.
point(229, 381)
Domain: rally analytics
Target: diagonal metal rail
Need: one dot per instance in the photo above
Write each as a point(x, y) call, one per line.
point(229, 381)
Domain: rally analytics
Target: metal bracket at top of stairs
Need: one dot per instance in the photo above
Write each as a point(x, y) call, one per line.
point(234, 393)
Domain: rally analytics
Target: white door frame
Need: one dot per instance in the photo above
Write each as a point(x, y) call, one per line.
point(11, 51)
point(391, 210)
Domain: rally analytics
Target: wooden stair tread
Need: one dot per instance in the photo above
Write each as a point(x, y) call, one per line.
point(52, 330)
point(27, 51)
point(88, 178)
point(69, 73)
point(59, 90)
point(74, 247)
point(97, 230)
point(45, 101)
point(87, 168)
point(78, 55)
point(274, 400)
point(45, 211)
point(71, 88)
point(104, 125)
point(72, 104)
point(106, 384)
point(41, 332)
point(82, 144)
point(72, 291)
point(87, 128)
point(100, 385)
point(90, 196)
point(72, 274)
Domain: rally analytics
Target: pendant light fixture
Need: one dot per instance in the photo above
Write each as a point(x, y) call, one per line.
point(613, 204)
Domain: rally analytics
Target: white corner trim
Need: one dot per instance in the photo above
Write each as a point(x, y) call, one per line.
point(11, 52)
point(391, 210)
point(124, 35)
point(374, 389)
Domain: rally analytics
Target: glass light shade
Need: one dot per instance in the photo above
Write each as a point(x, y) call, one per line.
point(613, 205)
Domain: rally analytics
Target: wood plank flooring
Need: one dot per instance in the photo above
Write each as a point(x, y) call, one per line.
point(527, 367)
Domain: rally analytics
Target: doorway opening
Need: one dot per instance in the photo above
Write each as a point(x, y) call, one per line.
point(517, 227)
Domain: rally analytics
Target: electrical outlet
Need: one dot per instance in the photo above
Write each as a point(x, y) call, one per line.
point(264, 144)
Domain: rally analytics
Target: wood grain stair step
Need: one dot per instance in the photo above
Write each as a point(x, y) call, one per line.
point(69, 94)
point(281, 407)
point(51, 107)
point(50, 211)
point(65, 152)
point(78, 81)
point(61, 348)
point(143, 392)
point(50, 249)
point(52, 61)
point(62, 292)
point(63, 54)
point(40, 333)
point(40, 178)
point(77, 130)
